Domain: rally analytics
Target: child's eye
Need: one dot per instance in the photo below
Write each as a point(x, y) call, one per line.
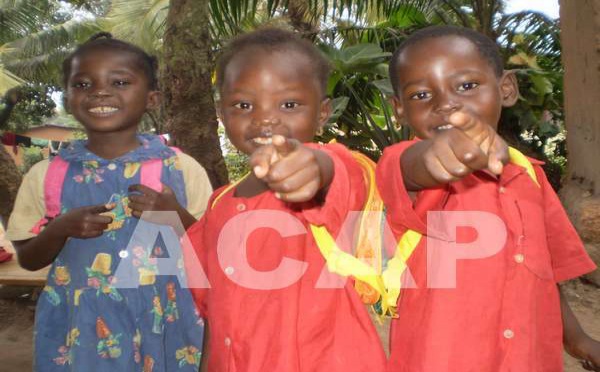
point(243, 105)
point(121, 83)
point(81, 85)
point(420, 95)
point(467, 86)
point(290, 105)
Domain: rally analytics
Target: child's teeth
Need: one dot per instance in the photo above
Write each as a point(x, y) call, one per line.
point(444, 127)
point(103, 109)
point(263, 140)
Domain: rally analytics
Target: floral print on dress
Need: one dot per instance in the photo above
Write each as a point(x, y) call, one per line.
point(51, 295)
point(131, 169)
point(146, 264)
point(91, 173)
point(157, 311)
point(148, 364)
point(108, 345)
point(171, 312)
point(172, 163)
point(81, 287)
point(137, 344)
point(66, 356)
point(61, 275)
point(189, 355)
point(100, 278)
point(119, 213)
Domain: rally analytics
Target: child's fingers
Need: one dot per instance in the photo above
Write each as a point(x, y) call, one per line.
point(497, 155)
point(470, 125)
point(436, 169)
point(305, 193)
point(261, 160)
point(284, 146)
point(288, 165)
point(297, 180)
point(142, 189)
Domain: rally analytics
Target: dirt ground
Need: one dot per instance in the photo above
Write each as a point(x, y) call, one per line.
point(17, 313)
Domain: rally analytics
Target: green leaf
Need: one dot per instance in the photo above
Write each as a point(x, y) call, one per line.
point(338, 105)
point(541, 84)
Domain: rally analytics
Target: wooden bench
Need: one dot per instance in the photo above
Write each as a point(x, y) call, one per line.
point(13, 274)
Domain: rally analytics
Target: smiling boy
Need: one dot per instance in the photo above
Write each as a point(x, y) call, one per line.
point(504, 313)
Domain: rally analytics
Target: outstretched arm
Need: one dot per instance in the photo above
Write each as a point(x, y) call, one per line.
point(296, 173)
point(453, 153)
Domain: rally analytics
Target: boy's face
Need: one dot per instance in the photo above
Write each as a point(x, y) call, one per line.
point(267, 93)
point(442, 75)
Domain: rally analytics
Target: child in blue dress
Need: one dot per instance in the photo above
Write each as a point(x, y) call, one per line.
point(86, 320)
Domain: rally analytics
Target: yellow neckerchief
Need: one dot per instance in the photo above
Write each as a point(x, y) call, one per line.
point(379, 290)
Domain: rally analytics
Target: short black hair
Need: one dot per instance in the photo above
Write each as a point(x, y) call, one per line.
point(274, 39)
point(486, 47)
point(105, 40)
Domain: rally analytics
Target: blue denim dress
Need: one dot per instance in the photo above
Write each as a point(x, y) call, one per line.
point(90, 318)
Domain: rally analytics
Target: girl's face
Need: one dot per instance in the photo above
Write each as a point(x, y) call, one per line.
point(266, 93)
point(108, 92)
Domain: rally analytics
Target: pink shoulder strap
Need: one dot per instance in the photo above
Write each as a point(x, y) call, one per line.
point(151, 171)
point(53, 181)
point(55, 177)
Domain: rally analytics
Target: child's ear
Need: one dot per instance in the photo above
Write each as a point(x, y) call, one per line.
point(398, 108)
point(325, 113)
point(509, 88)
point(153, 100)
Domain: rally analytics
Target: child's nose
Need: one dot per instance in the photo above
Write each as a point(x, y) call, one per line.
point(265, 118)
point(446, 104)
point(100, 91)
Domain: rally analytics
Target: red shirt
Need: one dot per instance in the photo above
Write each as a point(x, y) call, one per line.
point(504, 314)
point(297, 327)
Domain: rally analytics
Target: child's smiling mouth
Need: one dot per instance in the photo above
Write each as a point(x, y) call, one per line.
point(443, 127)
point(103, 110)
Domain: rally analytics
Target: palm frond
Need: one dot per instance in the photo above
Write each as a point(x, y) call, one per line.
point(141, 22)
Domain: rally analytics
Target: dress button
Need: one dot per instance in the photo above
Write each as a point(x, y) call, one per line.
point(123, 254)
point(502, 190)
point(229, 270)
point(241, 207)
point(508, 333)
point(227, 341)
point(519, 258)
point(112, 166)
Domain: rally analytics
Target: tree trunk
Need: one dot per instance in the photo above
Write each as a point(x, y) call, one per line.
point(580, 34)
point(186, 83)
point(10, 180)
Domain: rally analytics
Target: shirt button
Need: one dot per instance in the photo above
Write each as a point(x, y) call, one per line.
point(123, 254)
point(519, 258)
point(508, 334)
point(112, 166)
point(502, 190)
point(227, 341)
point(229, 270)
point(241, 207)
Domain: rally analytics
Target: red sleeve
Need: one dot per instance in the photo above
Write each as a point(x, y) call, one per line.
point(402, 212)
point(569, 257)
point(346, 193)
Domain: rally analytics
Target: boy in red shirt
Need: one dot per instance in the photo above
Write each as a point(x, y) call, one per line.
point(503, 312)
point(270, 306)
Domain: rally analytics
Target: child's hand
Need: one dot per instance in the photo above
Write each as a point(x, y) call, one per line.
point(148, 200)
point(290, 169)
point(83, 222)
point(587, 351)
point(485, 137)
